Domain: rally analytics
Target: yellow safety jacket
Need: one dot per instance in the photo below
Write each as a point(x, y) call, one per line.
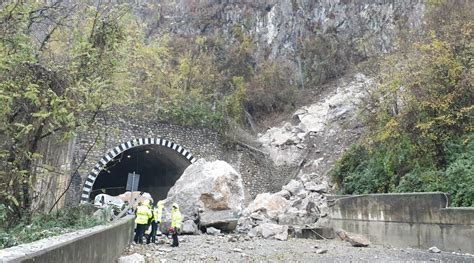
point(158, 213)
point(176, 218)
point(143, 214)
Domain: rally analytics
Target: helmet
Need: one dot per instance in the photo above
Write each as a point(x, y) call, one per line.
point(146, 202)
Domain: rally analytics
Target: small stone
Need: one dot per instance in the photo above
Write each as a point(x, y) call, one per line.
point(213, 231)
point(232, 239)
point(434, 250)
point(321, 251)
point(237, 250)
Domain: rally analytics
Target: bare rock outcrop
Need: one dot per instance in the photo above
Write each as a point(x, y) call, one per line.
point(209, 192)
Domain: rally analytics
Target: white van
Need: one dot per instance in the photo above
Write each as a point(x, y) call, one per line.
point(104, 200)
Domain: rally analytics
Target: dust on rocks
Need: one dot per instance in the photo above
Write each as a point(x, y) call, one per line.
point(242, 248)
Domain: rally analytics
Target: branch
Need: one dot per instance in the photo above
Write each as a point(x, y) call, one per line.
point(77, 124)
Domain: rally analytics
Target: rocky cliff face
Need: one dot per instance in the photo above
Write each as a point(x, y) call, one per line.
point(278, 27)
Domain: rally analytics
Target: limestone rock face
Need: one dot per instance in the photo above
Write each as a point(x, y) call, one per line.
point(211, 192)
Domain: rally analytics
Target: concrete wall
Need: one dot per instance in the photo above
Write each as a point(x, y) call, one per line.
point(98, 244)
point(418, 220)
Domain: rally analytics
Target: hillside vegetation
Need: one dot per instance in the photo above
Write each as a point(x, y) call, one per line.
point(419, 116)
point(65, 64)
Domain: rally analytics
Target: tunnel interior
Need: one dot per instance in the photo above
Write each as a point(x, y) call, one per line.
point(159, 168)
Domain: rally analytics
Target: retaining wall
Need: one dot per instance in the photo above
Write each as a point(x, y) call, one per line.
point(98, 244)
point(418, 220)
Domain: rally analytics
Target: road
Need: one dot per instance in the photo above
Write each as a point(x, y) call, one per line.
point(232, 248)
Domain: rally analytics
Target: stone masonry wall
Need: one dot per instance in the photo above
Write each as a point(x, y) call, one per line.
point(258, 174)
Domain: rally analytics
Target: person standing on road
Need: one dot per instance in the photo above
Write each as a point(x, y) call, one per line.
point(176, 220)
point(155, 221)
point(143, 214)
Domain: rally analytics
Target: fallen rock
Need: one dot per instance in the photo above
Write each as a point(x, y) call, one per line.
point(434, 250)
point(189, 227)
point(134, 258)
point(313, 187)
point(272, 205)
point(279, 232)
point(321, 251)
point(212, 231)
point(355, 240)
point(294, 187)
point(284, 193)
point(297, 217)
point(210, 191)
point(225, 220)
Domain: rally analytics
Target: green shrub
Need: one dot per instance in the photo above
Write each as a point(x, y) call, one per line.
point(47, 225)
point(381, 169)
point(419, 134)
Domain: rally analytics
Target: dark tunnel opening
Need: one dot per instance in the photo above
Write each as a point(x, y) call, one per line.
point(159, 168)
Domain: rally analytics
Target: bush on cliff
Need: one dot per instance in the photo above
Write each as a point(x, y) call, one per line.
point(420, 126)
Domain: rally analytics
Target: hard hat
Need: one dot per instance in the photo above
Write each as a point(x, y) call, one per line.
point(146, 202)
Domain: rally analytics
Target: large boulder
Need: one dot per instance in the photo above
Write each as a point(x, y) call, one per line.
point(211, 192)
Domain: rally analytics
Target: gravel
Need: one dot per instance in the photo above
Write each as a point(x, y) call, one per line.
point(205, 248)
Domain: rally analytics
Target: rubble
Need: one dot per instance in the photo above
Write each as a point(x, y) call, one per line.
point(134, 258)
point(211, 193)
point(269, 215)
point(207, 248)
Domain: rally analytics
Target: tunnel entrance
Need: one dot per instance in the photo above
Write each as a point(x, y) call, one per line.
point(159, 162)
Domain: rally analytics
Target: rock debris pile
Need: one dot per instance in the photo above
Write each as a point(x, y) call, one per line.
point(300, 203)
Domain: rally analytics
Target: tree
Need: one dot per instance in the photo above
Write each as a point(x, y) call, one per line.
point(48, 91)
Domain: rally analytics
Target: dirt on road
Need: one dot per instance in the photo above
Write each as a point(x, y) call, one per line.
point(234, 248)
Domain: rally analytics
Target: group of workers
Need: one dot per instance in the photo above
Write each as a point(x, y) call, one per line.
point(147, 215)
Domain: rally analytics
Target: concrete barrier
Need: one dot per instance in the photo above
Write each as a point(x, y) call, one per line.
point(418, 220)
point(103, 243)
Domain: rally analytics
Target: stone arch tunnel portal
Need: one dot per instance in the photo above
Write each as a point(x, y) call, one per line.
point(159, 162)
